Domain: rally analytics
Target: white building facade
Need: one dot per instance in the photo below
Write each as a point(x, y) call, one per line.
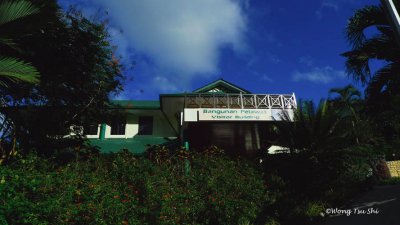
point(219, 113)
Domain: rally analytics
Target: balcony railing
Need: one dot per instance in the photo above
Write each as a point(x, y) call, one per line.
point(241, 101)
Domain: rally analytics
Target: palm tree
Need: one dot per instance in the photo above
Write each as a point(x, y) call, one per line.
point(381, 46)
point(383, 87)
point(313, 129)
point(347, 105)
point(346, 101)
point(13, 69)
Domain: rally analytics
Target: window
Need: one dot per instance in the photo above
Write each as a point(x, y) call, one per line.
point(145, 125)
point(118, 128)
point(91, 130)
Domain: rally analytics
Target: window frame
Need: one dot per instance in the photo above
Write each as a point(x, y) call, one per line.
point(118, 122)
point(89, 134)
point(148, 128)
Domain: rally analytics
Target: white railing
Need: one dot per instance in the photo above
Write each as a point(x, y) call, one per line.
point(253, 101)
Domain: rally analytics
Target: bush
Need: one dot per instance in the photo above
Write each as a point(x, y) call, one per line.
point(304, 184)
point(124, 189)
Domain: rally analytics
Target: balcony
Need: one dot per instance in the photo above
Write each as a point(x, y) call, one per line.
point(240, 101)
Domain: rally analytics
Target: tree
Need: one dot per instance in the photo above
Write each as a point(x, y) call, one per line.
point(13, 69)
point(314, 129)
point(381, 46)
point(347, 105)
point(79, 71)
point(382, 87)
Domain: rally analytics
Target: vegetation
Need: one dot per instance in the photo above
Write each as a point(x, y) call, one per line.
point(124, 189)
point(333, 154)
point(382, 86)
point(79, 71)
point(13, 69)
point(335, 147)
point(339, 146)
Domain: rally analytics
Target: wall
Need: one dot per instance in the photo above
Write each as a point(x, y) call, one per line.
point(161, 127)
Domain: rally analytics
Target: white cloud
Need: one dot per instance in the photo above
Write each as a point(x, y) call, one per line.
point(181, 36)
point(262, 76)
point(326, 4)
point(322, 75)
point(272, 58)
point(164, 84)
point(332, 5)
point(266, 78)
point(306, 60)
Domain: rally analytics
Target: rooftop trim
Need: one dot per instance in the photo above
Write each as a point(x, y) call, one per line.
point(222, 83)
point(136, 104)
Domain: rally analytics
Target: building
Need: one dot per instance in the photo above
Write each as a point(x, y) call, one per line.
point(219, 113)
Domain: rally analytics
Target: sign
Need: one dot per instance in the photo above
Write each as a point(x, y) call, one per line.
point(235, 114)
point(394, 168)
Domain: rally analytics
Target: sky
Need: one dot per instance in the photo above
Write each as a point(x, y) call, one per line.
point(264, 46)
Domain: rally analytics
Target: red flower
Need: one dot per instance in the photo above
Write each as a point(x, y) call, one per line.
point(116, 196)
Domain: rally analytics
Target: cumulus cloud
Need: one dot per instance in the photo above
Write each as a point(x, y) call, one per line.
point(332, 5)
point(306, 60)
point(164, 84)
point(327, 4)
point(322, 75)
point(179, 35)
point(266, 78)
point(272, 58)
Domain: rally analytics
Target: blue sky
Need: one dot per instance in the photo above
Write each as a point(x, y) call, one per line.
point(263, 46)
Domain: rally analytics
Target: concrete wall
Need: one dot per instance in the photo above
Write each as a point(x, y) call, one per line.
point(161, 127)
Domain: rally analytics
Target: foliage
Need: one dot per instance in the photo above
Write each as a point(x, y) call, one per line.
point(79, 71)
point(306, 183)
point(382, 87)
point(337, 123)
point(313, 128)
point(390, 181)
point(334, 153)
point(14, 69)
point(124, 189)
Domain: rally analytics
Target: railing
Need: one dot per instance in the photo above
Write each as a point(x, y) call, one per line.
point(248, 101)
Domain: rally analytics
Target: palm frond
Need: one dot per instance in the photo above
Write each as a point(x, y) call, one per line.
point(346, 93)
point(16, 71)
point(9, 43)
point(314, 128)
point(379, 47)
point(13, 10)
point(362, 19)
point(381, 79)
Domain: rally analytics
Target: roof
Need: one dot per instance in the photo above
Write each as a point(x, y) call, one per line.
point(223, 86)
point(217, 86)
point(136, 104)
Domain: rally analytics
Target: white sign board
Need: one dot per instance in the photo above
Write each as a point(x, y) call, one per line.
point(213, 114)
point(234, 114)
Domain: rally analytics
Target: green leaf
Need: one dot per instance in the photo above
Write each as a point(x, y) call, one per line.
point(16, 71)
point(14, 10)
point(9, 43)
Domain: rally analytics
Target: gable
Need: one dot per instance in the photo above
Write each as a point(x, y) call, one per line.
point(221, 86)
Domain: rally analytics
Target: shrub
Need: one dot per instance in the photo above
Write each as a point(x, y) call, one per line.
point(124, 189)
point(303, 184)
